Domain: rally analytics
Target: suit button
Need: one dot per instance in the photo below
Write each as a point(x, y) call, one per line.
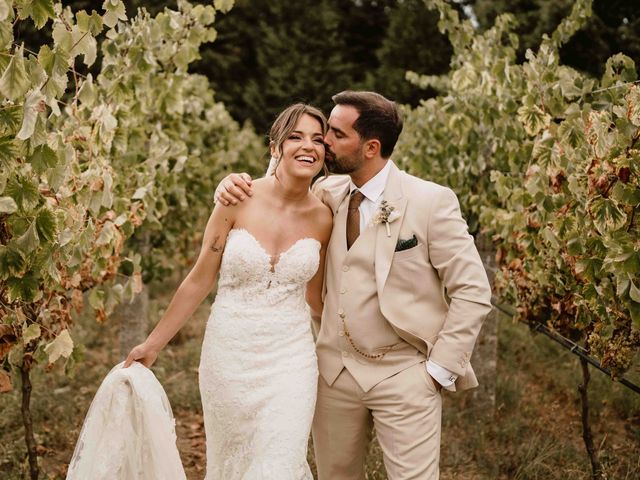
point(341, 333)
point(343, 290)
point(341, 313)
point(345, 268)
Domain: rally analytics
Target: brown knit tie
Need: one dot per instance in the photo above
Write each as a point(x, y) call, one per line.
point(353, 217)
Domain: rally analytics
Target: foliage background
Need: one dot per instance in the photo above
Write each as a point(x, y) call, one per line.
point(538, 136)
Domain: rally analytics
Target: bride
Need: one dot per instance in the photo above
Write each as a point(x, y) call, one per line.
point(258, 369)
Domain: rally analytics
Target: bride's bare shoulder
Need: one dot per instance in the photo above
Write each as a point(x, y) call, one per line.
point(260, 186)
point(321, 213)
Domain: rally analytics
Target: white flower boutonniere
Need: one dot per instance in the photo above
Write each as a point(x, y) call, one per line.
point(386, 214)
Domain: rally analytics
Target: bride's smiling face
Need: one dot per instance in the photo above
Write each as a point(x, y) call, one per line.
point(303, 149)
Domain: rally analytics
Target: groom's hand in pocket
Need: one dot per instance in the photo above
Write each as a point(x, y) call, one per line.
point(233, 188)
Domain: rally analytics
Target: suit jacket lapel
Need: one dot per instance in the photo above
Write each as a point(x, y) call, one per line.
point(385, 245)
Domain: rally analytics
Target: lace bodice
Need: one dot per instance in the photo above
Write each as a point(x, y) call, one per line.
point(249, 274)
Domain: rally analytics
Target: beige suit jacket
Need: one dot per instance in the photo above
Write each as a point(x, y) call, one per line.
point(436, 294)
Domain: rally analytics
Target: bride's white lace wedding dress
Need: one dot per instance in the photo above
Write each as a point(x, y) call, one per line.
point(258, 370)
point(258, 378)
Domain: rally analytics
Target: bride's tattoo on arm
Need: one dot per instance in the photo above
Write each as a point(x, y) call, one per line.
point(214, 246)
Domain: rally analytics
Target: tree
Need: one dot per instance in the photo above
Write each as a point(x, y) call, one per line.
point(273, 53)
point(614, 27)
point(412, 42)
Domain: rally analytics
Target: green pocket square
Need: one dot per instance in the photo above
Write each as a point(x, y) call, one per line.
point(406, 244)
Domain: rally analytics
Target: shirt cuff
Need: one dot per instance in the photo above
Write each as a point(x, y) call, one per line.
point(443, 376)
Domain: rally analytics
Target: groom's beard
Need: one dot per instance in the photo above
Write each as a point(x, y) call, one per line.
point(340, 165)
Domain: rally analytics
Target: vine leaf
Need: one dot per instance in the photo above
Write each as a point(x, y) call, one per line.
point(223, 5)
point(31, 109)
point(62, 346)
point(32, 332)
point(46, 225)
point(7, 205)
point(8, 151)
point(606, 215)
point(24, 192)
point(23, 289)
point(634, 293)
point(29, 240)
point(43, 158)
point(533, 119)
point(114, 11)
point(39, 10)
point(14, 82)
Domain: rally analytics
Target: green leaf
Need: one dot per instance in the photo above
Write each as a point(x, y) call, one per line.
point(533, 119)
point(114, 11)
point(634, 293)
point(84, 44)
point(7, 205)
point(12, 262)
point(23, 192)
point(622, 284)
point(62, 38)
point(54, 62)
point(23, 289)
point(16, 355)
point(106, 234)
point(8, 151)
point(205, 15)
point(47, 225)
point(39, 10)
point(32, 108)
point(96, 299)
point(29, 240)
point(89, 23)
point(606, 215)
point(62, 346)
point(633, 105)
point(5, 9)
point(43, 158)
point(30, 333)
point(224, 5)
point(87, 93)
point(6, 37)
point(10, 119)
point(14, 82)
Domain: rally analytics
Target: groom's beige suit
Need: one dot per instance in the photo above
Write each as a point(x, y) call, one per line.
point(423, 303)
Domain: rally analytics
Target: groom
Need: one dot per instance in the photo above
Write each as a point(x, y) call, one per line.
point(405, 297)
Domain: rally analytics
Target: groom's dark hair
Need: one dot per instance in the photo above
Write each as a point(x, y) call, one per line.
point(379, 117)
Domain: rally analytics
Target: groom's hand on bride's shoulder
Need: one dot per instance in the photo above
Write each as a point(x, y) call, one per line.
point(233, 188)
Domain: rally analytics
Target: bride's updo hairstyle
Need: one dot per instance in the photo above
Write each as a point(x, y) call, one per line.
point(285, 124)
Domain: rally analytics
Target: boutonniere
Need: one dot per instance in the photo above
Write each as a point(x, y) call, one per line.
point(386, 214)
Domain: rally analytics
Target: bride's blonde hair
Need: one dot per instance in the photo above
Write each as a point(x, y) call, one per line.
point(284, 125)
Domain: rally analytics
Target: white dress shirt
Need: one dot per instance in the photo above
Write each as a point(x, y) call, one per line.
point(373, 192)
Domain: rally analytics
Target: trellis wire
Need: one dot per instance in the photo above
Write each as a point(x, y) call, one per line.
point(566, 343)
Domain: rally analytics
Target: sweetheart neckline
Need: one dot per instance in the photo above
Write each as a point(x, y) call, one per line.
point(277, 257)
